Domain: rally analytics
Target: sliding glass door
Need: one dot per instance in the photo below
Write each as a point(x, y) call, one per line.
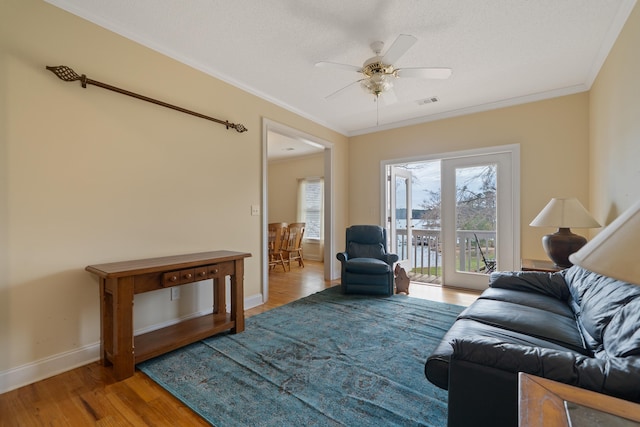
point(477, 218)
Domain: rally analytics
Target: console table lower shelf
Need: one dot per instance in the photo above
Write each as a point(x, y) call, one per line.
point(155, 343)
point(120, 281)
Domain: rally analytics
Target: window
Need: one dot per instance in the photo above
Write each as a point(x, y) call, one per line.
point(310, 207)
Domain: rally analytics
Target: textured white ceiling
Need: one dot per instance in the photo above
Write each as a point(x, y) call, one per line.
point(502, 52)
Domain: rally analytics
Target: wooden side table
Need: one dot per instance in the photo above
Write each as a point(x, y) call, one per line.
point(539, 265)
point(120, 281)
point(543, 402)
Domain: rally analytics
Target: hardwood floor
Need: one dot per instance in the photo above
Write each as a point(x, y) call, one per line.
point(89, 395)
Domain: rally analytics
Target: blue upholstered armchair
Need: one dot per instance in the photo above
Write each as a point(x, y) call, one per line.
point(367, 268)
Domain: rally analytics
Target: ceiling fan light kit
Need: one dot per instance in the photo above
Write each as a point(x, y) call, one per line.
point(377, 84)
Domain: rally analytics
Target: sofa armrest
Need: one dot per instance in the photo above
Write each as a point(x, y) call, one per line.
point(342, 256)
point(552, 284)
point(615, 376)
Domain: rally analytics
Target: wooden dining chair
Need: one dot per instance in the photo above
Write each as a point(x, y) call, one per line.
point(278, 237)
point(293, 249)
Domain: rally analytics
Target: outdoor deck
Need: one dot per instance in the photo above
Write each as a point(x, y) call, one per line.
point(426, 251)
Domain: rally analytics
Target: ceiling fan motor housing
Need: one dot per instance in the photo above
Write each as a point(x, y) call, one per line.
point(375, 66)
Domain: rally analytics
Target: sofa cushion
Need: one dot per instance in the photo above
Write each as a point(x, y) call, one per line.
point(596, 300)
point(621, 338)
point(540, 301)
point(361, 250)
point(616, 376)
point(437, 365)
point(534, 282)
point(542, 324)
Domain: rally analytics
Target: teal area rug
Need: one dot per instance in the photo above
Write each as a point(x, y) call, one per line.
point(325, 360)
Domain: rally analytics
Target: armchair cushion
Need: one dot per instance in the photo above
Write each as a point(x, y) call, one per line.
point(367, 266)
point(363, 250)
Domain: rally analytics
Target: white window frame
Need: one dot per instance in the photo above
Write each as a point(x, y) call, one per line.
point(302, 208)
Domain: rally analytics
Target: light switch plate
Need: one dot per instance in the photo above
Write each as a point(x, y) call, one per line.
point(255, 210)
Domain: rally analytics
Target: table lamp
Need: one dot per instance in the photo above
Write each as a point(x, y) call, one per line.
point(564, 214)
point(614, 251)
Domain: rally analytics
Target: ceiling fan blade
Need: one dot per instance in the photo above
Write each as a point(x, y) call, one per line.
point(347, 67)
point(424, 73)
point(399, 47)
point(336, 93)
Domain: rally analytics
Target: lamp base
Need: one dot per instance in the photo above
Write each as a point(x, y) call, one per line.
point(561, 244)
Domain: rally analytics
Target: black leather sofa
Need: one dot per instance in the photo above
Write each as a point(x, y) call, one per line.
point(575, 326)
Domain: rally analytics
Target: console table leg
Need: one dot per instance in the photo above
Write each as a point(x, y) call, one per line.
point(106, 324)
point(237, 297)
point(219, 296)
point(122, 308)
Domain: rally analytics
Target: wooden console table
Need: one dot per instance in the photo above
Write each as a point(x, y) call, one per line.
point(543, 402)
point(120, 281)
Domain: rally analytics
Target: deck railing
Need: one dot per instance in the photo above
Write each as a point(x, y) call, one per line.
point(426, 251)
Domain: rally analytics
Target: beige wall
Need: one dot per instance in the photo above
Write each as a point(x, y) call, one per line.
point(283, 184)
point(283, 192)
point(90, 176)
point(615, 127)
point(553, 138)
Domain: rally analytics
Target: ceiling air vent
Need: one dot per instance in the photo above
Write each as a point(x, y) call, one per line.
point(430, 100)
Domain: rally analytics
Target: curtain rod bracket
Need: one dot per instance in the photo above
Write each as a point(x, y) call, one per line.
point(68, 75)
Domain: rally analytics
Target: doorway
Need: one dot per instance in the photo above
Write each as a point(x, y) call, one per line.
point(306, 146)
point(453, 218)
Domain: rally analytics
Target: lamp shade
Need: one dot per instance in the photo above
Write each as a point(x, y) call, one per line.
point(564, 213)
point(614, 251)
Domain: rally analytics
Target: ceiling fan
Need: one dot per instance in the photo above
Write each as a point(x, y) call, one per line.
point(378, 71)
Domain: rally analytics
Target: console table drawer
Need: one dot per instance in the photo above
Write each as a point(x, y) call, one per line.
point(181, 277)
point(201, 273)
point(213, 271)
point(174, 278)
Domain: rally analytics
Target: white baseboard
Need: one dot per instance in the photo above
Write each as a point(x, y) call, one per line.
point(49, 366)
point(253, 301)
point(38, 370)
